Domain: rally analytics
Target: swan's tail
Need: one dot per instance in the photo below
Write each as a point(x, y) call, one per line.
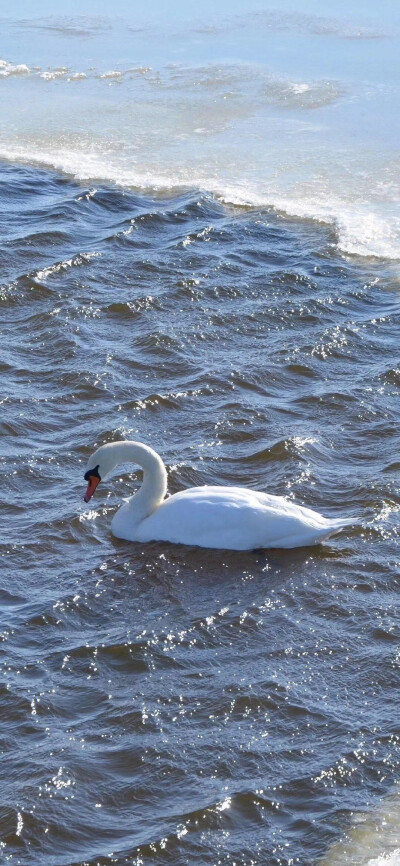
point(317, 533)
point(336, 524)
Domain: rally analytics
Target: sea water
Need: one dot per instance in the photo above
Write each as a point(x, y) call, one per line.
point(199, 250)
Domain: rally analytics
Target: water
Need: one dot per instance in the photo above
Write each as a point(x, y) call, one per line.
point(290, 108)
point(162, 704)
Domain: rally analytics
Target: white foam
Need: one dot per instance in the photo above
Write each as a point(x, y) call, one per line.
point(373, 839)
point(122, 73)
point(52, 74)
point(300, 88)
point(7, 69)
point(112, 74)
point(392, 859)
point(300, 95)
point(360, 229)
point(80, 259)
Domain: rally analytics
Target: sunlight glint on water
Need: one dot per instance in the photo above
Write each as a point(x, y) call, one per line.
point(164, 705)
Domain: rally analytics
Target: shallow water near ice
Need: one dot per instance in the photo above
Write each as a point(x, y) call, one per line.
point(162, 704)
point(296, 108)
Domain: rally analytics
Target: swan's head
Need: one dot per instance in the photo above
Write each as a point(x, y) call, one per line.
point(93, 477)
point(107, 457)
point(99, 465)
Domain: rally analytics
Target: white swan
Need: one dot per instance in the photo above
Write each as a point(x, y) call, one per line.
point(230, 518)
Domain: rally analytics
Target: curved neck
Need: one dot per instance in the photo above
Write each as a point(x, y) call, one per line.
point(154, 485)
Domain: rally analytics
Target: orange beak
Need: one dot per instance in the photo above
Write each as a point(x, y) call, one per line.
point(93, 482)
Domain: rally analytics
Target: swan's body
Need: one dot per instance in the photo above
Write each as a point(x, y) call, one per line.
point(231, 518)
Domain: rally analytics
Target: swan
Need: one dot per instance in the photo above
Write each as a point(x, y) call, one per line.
point(230, 518)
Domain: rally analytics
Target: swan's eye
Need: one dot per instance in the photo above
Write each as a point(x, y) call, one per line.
point(94, 471)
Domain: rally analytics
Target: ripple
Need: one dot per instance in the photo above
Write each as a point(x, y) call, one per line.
point(239, 705)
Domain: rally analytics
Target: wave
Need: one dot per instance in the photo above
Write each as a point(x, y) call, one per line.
point(80, 259)
point(360, 230)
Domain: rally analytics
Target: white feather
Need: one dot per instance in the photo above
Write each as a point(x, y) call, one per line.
point(231, 518)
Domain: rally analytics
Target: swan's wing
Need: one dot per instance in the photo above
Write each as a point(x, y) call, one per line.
point(233, 518)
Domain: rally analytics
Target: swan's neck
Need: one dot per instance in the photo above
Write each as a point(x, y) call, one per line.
point(154, 485)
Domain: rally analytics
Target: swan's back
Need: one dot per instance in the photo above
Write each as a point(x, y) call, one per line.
point(228, 518)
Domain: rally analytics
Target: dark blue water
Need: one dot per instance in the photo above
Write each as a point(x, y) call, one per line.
point(171, 705)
